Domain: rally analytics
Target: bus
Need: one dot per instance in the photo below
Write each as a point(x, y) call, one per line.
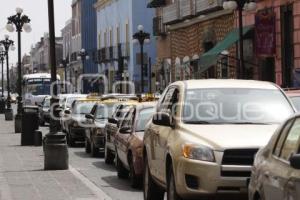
point(36, 87)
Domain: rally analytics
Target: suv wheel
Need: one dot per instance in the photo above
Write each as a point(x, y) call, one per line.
point(151, 190)
point(171, 187)
point(87, 146)
point(94, 150)
point(108, 156)
point(122, 171)
point(135, 180)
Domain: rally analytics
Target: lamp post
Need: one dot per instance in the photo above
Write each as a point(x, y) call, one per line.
point(240, 6)
point(83, 56)
point(19, 22)
point(64, 64)
point(8, 45)
point(55, 147)
point(2, 100)
point(141, 37)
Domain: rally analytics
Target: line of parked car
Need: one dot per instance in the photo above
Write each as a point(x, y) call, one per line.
point(200, 139)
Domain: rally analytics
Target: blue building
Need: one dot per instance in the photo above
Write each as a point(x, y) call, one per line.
point(118, 56)
point(89, 37)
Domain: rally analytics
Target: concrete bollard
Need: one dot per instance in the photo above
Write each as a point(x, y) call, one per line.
point(56, 152)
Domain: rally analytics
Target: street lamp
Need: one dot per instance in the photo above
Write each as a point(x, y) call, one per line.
point(83, 56)
point(240, 6)
point(2, 100)
point(19, 22)
point(64, 64)
point(55, 147)
point(141, 37)
point(8, 45)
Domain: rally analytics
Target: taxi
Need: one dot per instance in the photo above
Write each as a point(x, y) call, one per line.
point(97, 119)
point(113, 124)
point(129, 142)
point(75, 118)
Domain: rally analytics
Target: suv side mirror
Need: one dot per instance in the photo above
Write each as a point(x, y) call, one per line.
point(112, 120)
point(162, 119)
point(125, 130)
point(89, 116)
point(295, 161)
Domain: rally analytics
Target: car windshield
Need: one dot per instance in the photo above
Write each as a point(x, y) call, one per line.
point(296, 102)
point(143, 118)
point(104, 111)
point(83, 108)
point(70, 100)
point(235, 106)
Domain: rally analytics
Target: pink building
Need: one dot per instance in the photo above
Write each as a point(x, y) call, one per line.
point(282, 66)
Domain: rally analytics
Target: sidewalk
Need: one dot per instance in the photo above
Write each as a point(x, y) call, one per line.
point(22, 176)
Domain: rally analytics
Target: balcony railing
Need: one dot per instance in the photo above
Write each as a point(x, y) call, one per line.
point(187, 8)
point(159, 29)
point(171, 13)
point(206, 6)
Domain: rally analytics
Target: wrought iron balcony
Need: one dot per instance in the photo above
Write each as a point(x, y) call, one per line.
point(159, 29)
point(156, 3)
point(187, 8)
point(171, 13)
point(207, 6)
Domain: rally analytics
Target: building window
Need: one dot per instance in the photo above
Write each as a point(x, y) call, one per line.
point(99, 40)
point(111, 39)
point(118, 35)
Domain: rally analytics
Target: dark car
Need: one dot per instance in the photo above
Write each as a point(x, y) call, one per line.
point(129, 142)
point(44, 111)
point(76, 123)
point(96, 121)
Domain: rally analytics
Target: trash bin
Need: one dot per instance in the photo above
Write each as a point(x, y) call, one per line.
point(30, 123)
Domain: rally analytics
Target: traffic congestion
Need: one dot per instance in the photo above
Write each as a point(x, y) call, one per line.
point(198, 139)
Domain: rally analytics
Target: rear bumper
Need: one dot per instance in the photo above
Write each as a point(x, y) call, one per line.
point(77, 133)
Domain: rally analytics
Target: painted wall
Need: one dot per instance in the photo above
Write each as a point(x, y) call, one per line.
point(275, 4)
point(89, 33)
point(118, 14)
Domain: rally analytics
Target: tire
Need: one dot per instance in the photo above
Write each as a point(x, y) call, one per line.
point(87, 146)
point(135, 181)
point(122, 172)
point(94, 150)
point(151, 190)
point(108, 156)
point(71, 140)
point(171, 187)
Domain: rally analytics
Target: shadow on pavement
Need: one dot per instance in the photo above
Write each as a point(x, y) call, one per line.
point(102, 165)
point(119, 184)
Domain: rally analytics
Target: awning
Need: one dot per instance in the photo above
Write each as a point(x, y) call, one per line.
point(156, 3)
point(210, 58)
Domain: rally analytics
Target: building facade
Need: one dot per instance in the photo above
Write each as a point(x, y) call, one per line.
point(118, 57)
point(66, 34)
point(184, 31)
point(40, 56)
point(280, 62)
point(76, 42)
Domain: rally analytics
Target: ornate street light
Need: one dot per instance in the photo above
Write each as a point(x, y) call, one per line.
point(64, 64)
point(2, 100)
point(141, 37)
point(240, 6)
point(8, 45)
point(83, 56)
point(19, 22)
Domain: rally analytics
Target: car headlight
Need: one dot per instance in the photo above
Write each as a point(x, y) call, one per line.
point(198, 152)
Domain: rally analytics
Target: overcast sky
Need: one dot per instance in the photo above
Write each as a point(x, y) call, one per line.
point(37, 11)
